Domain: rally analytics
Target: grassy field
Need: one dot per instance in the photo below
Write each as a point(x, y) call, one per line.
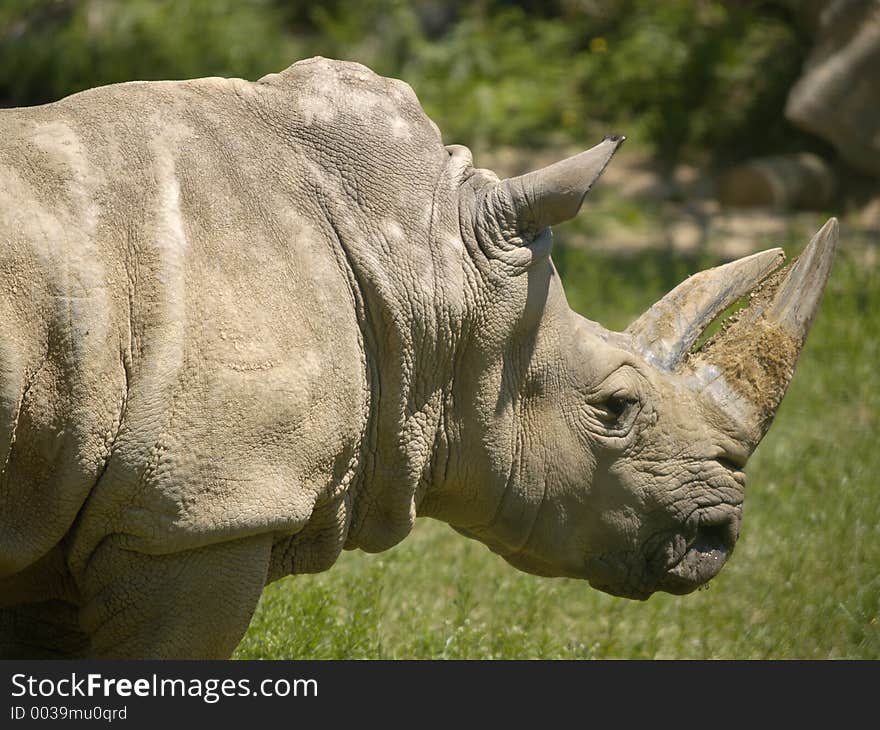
point(804, 581)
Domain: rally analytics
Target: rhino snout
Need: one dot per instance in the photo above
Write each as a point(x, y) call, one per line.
point(704, 553)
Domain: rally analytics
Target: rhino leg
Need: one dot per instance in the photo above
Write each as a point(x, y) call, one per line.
point(45, 630)
point(189, 605)
point(39, 612)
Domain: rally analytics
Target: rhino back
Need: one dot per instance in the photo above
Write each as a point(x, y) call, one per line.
point(207, 367)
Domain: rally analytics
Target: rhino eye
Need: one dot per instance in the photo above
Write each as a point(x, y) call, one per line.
point(616, 408)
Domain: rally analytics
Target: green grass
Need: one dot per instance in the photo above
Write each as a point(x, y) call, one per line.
point(804, 581)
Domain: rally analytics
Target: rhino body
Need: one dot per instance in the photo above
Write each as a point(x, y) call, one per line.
point(246, 325)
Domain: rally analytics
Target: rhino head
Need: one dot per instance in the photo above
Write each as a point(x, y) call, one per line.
point(616, 457)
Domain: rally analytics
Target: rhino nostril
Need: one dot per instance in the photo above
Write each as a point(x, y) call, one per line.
point(731, 462)
point(717, 539)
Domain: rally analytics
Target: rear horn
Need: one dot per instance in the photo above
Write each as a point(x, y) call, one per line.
point(666, 332)
point(554, 194)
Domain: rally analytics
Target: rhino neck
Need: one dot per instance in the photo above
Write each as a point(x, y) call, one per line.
point(507, 347)
point(386, 189)
point(408, 270)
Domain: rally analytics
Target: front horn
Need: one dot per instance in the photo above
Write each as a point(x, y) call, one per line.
point(748, 365)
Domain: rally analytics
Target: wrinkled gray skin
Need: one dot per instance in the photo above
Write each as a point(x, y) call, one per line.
point(246, 325)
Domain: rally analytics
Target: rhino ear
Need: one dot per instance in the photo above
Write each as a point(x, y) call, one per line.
point(554, 194)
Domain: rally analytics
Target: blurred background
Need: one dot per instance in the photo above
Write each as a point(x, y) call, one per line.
point(740, 115)
point(748, 124)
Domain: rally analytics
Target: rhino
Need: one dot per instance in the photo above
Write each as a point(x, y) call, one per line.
point(247, 325)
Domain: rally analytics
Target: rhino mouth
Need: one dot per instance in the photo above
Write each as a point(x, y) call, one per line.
point(703, 555)
point(674, 561)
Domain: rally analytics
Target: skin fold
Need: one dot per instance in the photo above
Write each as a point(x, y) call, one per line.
point(244, 326)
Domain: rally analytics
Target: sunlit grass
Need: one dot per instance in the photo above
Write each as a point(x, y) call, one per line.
point(804, 581)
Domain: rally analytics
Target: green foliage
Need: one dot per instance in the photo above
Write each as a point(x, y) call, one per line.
point(803, 580)
point(707, 73)
point(488, 81)
point(677, 76)
point(51, 48)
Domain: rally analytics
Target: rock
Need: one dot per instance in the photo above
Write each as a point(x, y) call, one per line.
point(784, 182)
point(869, 216)
point(838, 96)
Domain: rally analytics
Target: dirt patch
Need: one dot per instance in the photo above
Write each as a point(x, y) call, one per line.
point(756, 356)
